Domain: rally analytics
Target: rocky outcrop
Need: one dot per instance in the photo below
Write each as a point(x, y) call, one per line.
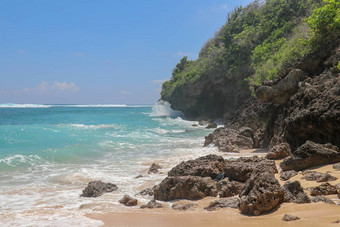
point(311, 154)
point(128, 201)
point(185, 187)
point(336, 166)
point(206, 166)
point(230, 189)
point(286, 175)
point(241, 169)
point(224, 203)
point(313, 113)
point(152, 204)
point(146, 192)
point(316, 199)
point(229, 140)
point(154, 168)
point(279, 151)
point(293, 193)
point(97, 188)
point(183, 207)
point(318, 177)
point(280, 92)
point(323, 189)
point(288, 217)
point(211, 125)
point(261, 194)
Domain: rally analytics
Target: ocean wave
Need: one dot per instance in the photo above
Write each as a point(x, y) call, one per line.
point(12, 105)
point(101, 126)
point(163, 109)
point(15, 159)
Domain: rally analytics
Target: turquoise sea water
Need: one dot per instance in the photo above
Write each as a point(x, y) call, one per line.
point(48, 153)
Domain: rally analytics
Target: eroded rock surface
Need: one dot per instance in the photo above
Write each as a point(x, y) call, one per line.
point(293, 193)
point(97, 188)
point(206, 166)
point(323, 189)
point(279, 151)
point(154, 168)
point(185, 187)
point(241, 169)
point(128, 201)
point(316, 199)
point(286, 175)
point(318, 177)
point(288, 217)
point(152, 204)
point(311, 154)
point(261, 194)
point(186, 206)
point(224, 203)
point(230, 189)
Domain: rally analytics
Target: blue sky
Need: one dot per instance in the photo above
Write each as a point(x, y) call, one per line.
point(99, 51)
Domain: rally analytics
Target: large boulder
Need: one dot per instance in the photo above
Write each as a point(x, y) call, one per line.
point(311, 154)
point(185, 187)
point(279, 151)
point(241, 169)
point(207, 166)
point(261, 194)
point(293, 193)
point(154, 168)
point(283, 89)
point(229, 140)
point(97, 188)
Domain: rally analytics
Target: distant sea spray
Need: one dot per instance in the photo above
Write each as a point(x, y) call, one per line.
point(163, 109)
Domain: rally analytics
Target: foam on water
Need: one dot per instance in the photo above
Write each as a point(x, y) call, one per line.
point(163, 109)
point(60, 150)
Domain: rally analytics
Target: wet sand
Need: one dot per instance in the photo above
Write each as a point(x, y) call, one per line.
point(312, 214)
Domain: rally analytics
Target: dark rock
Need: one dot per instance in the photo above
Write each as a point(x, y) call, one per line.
point(286, 175)
point(323, 189)
point(211, 125)
point(318, 177)
point(224, 203)
point(194, 125)
point(316, 199)
point(261, 194)
point(241, 169)
point(187, 206)
point(336, 166)
point(222, 183)
point(128, 201)
point(231, 189)
point(207, 166)
point(336, 222)
point(147, 191)
point(97, 188)
point(139, 176)
point(154, 168)
point(283, 90)
point(185, 187)
point(288, 217)
point(293, 193)
point(202, 123)
point(310, 154)
point(279, 151)
point(229, 140)
point(152, 204)
point(313, 113)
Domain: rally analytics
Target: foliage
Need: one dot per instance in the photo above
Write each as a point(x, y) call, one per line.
point(256, 40)
point(338, 65)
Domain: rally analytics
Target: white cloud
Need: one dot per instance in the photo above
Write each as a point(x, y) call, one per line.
point(126, 93)
point(63, 86)
point(21, 51)
point(158, 81)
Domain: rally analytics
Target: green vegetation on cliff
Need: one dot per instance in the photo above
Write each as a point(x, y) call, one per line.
point(256, 40)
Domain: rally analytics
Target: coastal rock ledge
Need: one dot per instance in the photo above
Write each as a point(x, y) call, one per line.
point(97, 188)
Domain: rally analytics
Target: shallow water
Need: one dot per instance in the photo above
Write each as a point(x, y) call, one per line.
point(48, 154)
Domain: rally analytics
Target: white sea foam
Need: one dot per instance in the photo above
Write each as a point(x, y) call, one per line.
point(10, 160)
point(163, 109)
point(113, 126)
point(12, 105)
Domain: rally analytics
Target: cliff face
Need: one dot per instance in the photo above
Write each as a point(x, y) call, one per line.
point(209, 98)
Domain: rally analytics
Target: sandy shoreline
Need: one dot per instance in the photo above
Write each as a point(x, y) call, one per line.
point(312, 214)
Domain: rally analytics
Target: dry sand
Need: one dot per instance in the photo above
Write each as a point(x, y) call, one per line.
point(313, 214)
